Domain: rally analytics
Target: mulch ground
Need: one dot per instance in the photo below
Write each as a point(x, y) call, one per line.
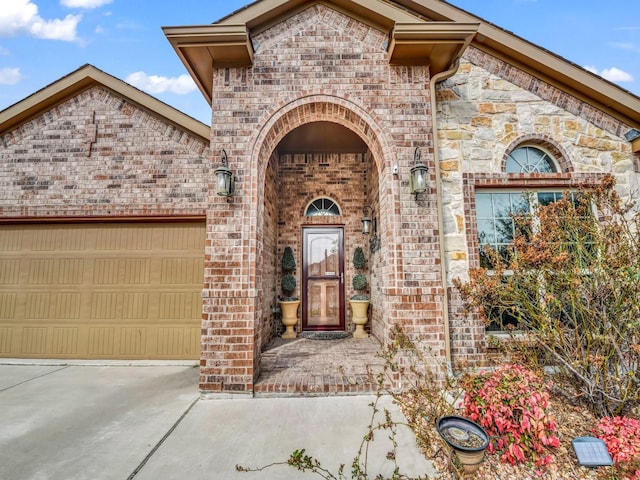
point(572, 422)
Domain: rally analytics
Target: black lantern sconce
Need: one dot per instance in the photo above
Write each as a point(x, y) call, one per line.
point(370, 227)
point(366, 220)
point(418, 175)
point(225, 179)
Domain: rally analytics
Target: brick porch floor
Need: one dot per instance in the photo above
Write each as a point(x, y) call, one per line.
point(305, 367)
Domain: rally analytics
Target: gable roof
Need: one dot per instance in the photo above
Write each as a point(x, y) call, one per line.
point(86, 77)
point(227, 43)
point(420, 31)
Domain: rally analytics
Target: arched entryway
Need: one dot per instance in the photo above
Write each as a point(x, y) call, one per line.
point(317, 149)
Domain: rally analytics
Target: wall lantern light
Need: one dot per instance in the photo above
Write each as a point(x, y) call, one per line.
point(370, 227)
point(418, 175)
point(632, 134)
point(366, 220)
point(224, 178)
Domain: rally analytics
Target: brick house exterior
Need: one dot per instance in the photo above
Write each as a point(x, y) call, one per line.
point(326, 100)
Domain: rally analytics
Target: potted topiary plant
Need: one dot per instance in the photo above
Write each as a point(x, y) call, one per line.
point(289, 303)
point(360, 301)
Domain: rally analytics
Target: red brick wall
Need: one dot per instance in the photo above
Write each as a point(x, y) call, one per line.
point(270, 257)
point(97, 154)
point(304, 178)
point(320, 65)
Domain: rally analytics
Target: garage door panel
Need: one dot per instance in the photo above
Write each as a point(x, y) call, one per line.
point(64, 340)
point(101, 341)
point(67, 306)
point(11, 238)
point(178, 342)
point(135, 306)
point(7, 306)
point(133, 341)
point(123, 238)
point(189, 237)
point(101, 290)
point(9, 271)
point(106, 271)
point(6, 338)
point(34, 340)
point(136, 271)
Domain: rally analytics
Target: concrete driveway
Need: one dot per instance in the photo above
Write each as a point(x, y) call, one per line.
point(146, 421)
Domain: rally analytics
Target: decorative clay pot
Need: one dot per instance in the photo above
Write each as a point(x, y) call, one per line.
point(359, 316)
point(289, 311)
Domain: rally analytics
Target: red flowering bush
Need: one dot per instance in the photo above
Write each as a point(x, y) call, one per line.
point(622, 437)
point(511, 405)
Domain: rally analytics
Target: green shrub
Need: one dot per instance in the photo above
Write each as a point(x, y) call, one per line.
point(288, 284)
point(359, 282)
point(288, 260)
point(359, 261)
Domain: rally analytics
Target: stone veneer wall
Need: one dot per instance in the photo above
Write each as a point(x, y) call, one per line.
point(318, 65)
point(98, 154)
point(485, 111)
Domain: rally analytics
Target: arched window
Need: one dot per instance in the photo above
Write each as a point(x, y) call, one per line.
point(322, 207)
point(530, 160)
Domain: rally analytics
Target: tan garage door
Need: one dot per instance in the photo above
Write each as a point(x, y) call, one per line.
point(101, 290)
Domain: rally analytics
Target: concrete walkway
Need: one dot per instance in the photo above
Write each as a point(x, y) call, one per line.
point(145, 421)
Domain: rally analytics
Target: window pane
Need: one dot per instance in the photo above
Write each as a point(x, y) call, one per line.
point(486, 231)
point(529, 160)
point(504, 230)
point(484, 208)
point(545, 198)
point(502, 204)
point(519, 203)
point(322, 207)
point(538, 161)
point(517, 161)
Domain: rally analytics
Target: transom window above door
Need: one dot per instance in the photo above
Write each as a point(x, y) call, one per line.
point(323, 207)
point(530, 160)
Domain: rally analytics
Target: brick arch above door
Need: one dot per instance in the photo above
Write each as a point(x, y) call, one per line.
point(329, 108)
point(316, 108)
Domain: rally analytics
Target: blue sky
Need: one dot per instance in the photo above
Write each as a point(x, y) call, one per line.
point(44, 40)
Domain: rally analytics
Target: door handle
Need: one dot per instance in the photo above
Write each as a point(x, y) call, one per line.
point(341, 278)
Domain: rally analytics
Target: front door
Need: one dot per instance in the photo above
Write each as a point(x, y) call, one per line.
point(323, 278)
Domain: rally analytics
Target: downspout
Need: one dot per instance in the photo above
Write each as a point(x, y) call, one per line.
point(437, 78)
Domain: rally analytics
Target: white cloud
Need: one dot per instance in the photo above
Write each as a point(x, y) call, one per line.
point(632, 47)
point(612, 74)
point(10, 76)
point(156, 84)
point(84, 3)
point(57, 29)
point(21, 16)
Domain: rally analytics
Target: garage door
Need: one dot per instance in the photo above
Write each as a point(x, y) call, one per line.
point(101, 290)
